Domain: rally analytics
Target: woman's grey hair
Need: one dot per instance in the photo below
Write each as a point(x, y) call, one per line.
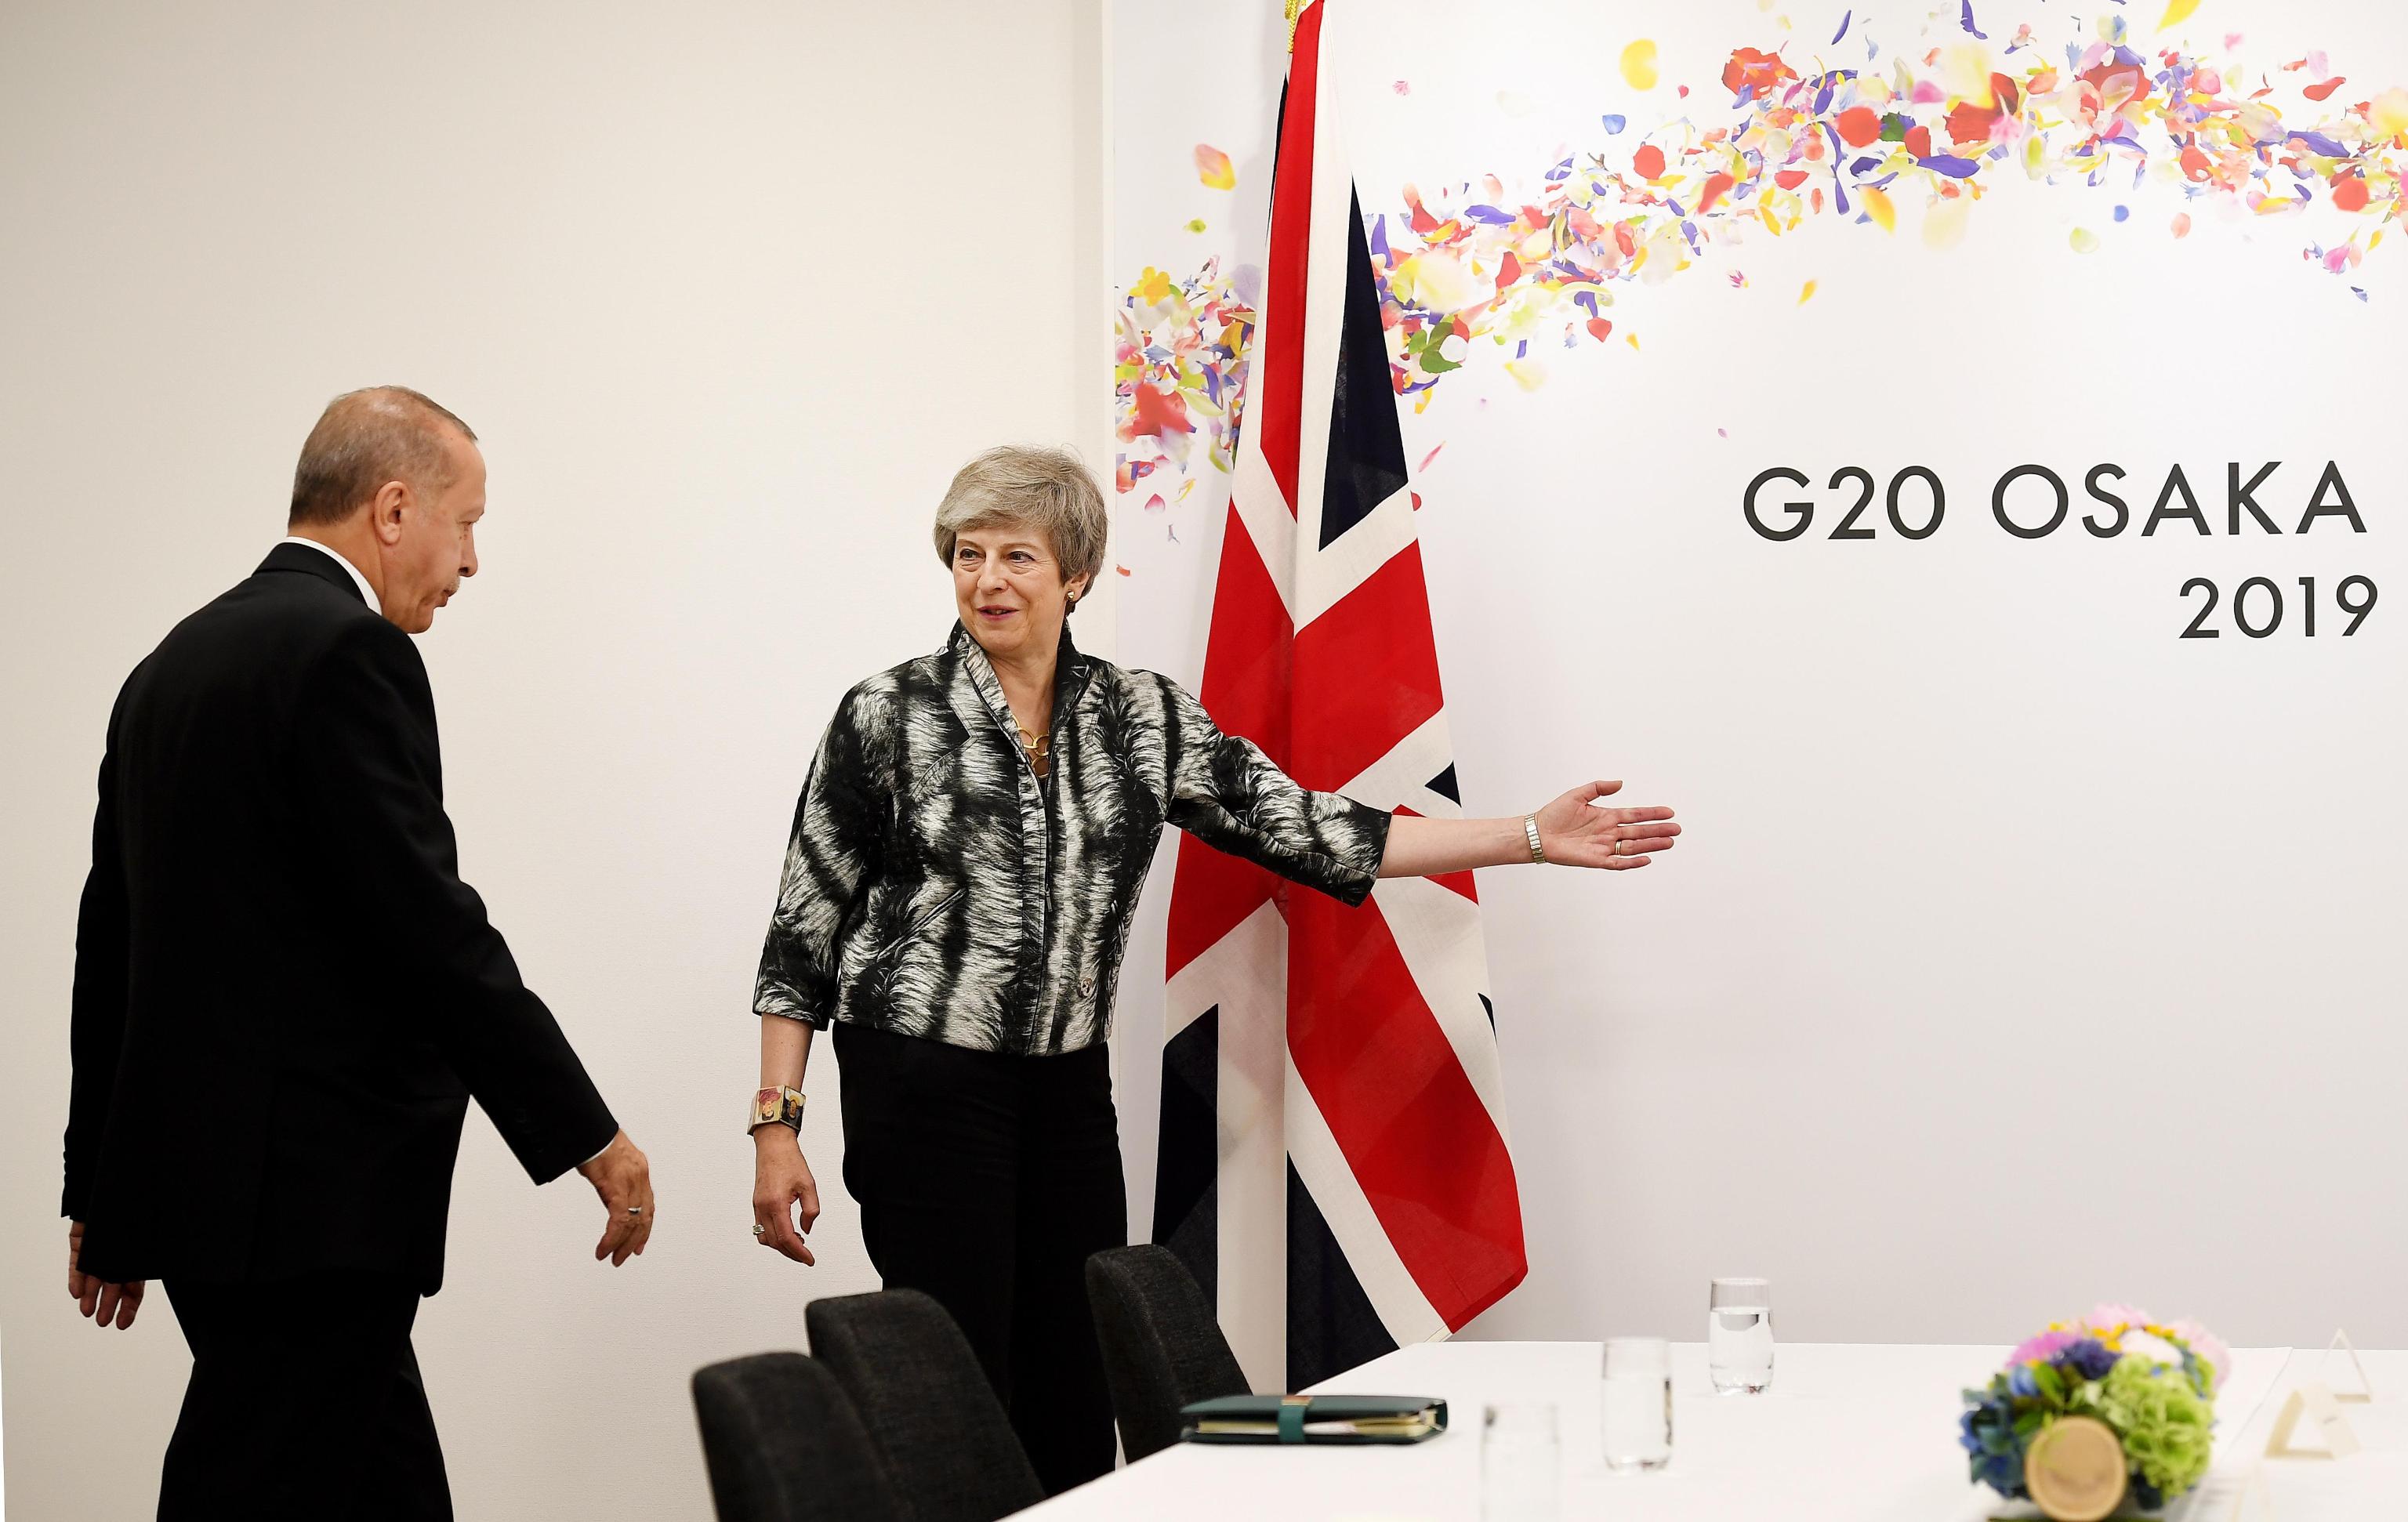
point(1046, 488)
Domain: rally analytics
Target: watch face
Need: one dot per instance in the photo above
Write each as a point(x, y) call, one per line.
point(781, 1105)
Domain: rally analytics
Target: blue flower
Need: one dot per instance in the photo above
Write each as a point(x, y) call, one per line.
point(2090, 1357)
point(1994, 1452)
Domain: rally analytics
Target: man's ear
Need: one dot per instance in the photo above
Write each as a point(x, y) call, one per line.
point(386, 509)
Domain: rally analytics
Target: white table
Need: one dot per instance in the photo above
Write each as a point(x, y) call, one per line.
point(1849, 1432)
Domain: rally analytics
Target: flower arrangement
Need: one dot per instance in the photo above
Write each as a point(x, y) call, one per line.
point(2154, 1383)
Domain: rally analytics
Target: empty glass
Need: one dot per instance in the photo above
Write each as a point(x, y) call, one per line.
point(1739, 1336)
point(1518, 1461)
point(1637, 1403)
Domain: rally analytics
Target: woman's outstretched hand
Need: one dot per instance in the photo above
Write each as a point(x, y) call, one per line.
point(1572, 831)
point(782, 1182)
point(1575, 831)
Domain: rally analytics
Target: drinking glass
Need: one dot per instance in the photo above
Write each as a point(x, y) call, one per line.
point(1518, 1461)
point(1739, 1336)
point(1637, 1403)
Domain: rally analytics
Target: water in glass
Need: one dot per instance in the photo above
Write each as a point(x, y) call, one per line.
point(1739, 1335)
point(1637, 1403)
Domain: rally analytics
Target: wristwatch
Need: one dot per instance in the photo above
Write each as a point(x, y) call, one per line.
point(780, 1106)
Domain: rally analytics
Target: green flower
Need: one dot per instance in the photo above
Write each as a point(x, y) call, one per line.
point(2166, 1427)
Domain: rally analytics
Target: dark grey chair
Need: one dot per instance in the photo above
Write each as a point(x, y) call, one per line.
point(948, 1450)
point(1161, 1347)
point(784, 1445)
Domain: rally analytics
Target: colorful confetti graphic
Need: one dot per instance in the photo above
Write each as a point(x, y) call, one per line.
point(1214, 168)
point(1933, 133)
point(1180, 368)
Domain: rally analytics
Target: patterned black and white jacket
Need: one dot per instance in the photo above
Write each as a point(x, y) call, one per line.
point(936, 888)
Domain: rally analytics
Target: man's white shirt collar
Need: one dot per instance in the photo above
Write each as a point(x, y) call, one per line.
point(367, 593)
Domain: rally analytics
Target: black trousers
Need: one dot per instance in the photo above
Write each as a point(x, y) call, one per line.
point(985, 1180)
point(305, 1401)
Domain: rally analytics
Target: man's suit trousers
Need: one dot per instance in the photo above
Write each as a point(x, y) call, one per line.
point(305, 1401)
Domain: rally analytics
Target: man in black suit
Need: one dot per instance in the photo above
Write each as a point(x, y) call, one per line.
point(285, 997)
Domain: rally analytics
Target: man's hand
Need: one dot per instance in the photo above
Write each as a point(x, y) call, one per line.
point(624, 1178)
point(781, 1181)
point(106, 1304)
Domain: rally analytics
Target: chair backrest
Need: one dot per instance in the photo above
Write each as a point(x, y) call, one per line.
point(950, 1452)
point(1162, 1349)
point(784, 1445)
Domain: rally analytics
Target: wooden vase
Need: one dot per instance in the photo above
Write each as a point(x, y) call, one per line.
point(2075, 1469)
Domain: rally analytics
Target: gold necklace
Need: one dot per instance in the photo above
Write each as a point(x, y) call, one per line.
point(1035, 745)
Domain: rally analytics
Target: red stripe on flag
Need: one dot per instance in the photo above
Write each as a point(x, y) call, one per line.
point(1247, 660)
point(1396, 1097)
point(1211, 893)
point(1250, 650)
point(1276, 410)
point(1366, 675)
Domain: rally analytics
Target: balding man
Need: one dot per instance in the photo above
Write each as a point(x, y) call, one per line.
point(285, 997)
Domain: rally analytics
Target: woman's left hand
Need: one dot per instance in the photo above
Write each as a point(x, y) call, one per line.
point(1574, 831)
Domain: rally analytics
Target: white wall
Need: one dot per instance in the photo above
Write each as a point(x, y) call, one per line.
point(2021, 954)
point(728, 290)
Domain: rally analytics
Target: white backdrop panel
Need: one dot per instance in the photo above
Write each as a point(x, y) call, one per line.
point(2021, 954)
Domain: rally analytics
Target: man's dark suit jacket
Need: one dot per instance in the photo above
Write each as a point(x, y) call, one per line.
point(285, 995)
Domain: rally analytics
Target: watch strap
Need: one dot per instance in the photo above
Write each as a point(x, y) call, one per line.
point(777, 1106)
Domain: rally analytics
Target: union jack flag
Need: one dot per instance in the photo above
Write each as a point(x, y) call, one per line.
point(1333, 1162)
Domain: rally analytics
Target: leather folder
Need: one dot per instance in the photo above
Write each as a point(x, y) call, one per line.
point(1313, 1418)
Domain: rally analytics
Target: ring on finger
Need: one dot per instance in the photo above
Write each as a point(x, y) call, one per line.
point(759, 1230)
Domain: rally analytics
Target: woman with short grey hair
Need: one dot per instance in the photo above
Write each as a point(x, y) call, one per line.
point(964, 866)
